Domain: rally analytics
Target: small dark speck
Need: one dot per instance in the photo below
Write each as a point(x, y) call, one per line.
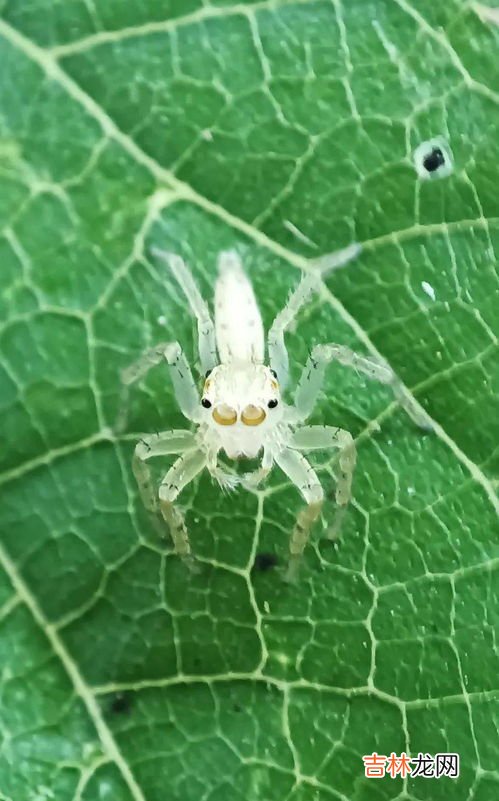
point(121, 704)
point(237, 708)
point(264, 562)
point(433, 160)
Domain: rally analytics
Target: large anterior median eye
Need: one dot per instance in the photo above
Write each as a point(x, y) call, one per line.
point(252, 415)
point(224, 415)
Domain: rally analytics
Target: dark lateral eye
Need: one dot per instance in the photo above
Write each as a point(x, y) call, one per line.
point(272, 404)
point(273, 372)
point(206, 403)
point(207, 373)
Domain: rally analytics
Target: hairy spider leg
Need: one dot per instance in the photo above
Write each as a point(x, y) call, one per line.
point(310, 438)
point(160, 444)
point(310, 283)
point(184, 387)
point(312, 377)
point(207, 349)
point(181, 473)
point(278, 354)
point(304, 477)
point(187, 398)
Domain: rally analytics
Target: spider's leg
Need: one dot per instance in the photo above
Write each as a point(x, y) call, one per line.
point(278, 354)
point(312, 377)
point(311, 438)
point(179, 475)
point(159, 444)
point(185, 389)
point(329, 262)
point(305, 479)
point(206, 331)
point(310, 283)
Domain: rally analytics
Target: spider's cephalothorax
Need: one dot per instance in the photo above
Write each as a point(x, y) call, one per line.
point(241, 406)
point(240, 410)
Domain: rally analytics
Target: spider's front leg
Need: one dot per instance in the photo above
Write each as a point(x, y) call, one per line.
point(311, 438)
point(304, 477)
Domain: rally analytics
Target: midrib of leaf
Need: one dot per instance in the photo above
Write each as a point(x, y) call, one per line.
point(46, 60)
point(89, 695)
point(82, 690)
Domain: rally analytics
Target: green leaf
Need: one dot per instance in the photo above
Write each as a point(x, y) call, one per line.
point(285, 129)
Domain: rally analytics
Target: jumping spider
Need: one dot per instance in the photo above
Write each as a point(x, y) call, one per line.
point(241, 410)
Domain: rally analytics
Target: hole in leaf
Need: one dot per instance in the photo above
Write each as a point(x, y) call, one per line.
point(433, 159)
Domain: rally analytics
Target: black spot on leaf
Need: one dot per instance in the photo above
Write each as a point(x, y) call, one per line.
point(264, 562)
point(121, 704)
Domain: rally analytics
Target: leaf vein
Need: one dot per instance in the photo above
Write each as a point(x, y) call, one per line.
point(81, 689)
point(50, 66)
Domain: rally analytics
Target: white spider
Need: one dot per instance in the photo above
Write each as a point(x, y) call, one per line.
point(241, 410)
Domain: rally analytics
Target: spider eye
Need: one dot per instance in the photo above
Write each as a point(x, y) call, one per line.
point(206, 403)
point(273, 372)
point(252, 415)
point(208, 372)
point(272, 403)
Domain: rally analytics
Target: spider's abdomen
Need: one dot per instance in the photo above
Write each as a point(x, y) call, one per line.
point(238, 323)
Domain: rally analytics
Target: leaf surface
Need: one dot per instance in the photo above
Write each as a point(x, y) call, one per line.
point(285, 130)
